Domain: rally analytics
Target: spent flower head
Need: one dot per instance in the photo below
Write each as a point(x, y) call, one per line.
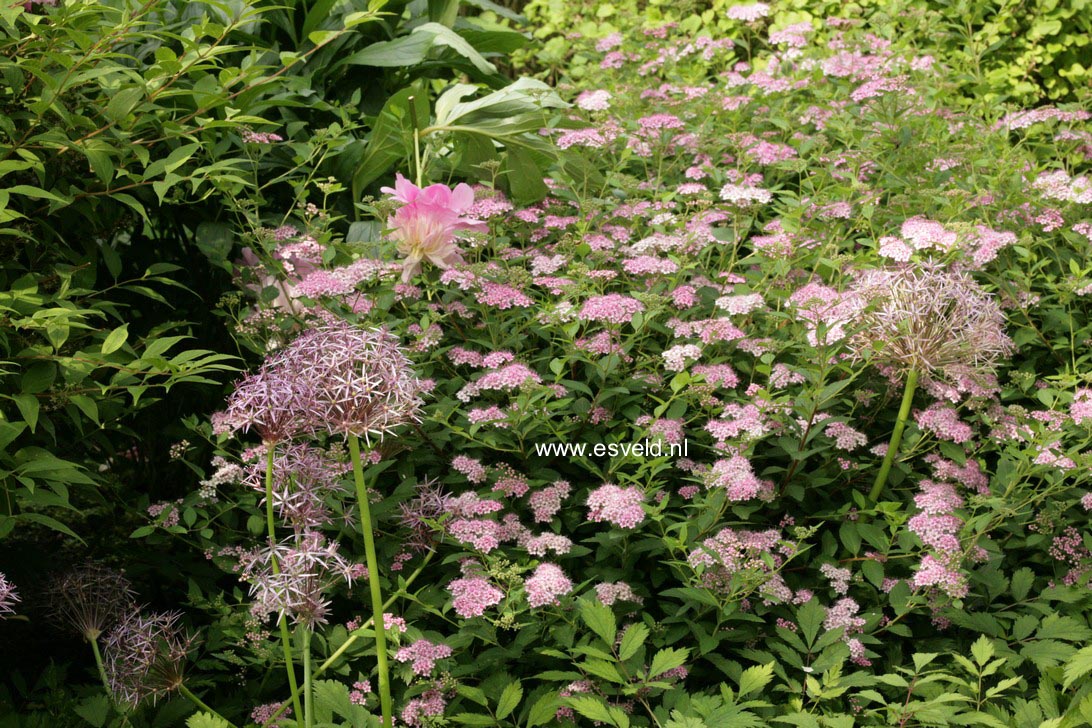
point(8, 596)
point(271, 401)
point(291, 578)
point(936, 321)
point(145, 655)
point(90, 599)
point(304, 479)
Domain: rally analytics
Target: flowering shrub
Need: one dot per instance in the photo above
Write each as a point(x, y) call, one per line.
point(861, 311)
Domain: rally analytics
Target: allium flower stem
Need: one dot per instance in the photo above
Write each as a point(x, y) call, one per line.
point(188, 694)
point(308, 692)
point(896, 435)
point(286, 635)
point(102, 668)
point(373, 582)
point(332, 659)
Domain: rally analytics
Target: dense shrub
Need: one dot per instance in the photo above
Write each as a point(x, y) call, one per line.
point(1025, 53)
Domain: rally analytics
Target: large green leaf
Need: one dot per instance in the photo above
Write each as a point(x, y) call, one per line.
point(412, 49)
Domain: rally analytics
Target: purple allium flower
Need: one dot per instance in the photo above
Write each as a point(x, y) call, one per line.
point(144, 656)
point(90, 599)
point(271, 400)
point(304, 478)
point(359, 380)
point(8, 596)
point(421, 514)
point(307, 565)
point(936, 321)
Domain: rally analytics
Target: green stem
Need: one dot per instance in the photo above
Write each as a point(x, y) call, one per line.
point(373, 582)
point(308, 693)
point(416, 140)
point(188, 694)
point(102, 668)
point(286, 636)
point(329, 662)
point(896, 435)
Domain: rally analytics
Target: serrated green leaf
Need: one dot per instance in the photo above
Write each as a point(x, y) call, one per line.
point(635, 636)
point(543, 710)
point(590, 707)
point(982, 650)
point(600, 619)
point(473, 719)
point(1022, 579)
point(755, 678)
point(667, 659)
point(94, 710)
point(810, 618)
point(509, 699)
point(1077, 667)
point(206, 720)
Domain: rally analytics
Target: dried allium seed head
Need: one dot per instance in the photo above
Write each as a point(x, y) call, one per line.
point(90, 599)
point(9, 597)
point(937, 321)
point(145, 655)
point(361, 382)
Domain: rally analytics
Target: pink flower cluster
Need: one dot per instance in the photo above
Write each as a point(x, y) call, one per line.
point(736, 560)
point(546, 585)
point(473, 595)
point(610, 592)
point(423, 655)
point(612, 308)
point(943, 421)
point(546, 502)
point(938, 528)
point(620, 506)
point(735, 475)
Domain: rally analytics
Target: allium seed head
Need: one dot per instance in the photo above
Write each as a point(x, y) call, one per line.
point(306, 567)
point(304, 479)
point(8, 596)
point(144, 656)
point(936, 321)
point(90, 599)
point(271, 401)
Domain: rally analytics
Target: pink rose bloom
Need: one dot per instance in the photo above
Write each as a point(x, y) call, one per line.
point(424, 227)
